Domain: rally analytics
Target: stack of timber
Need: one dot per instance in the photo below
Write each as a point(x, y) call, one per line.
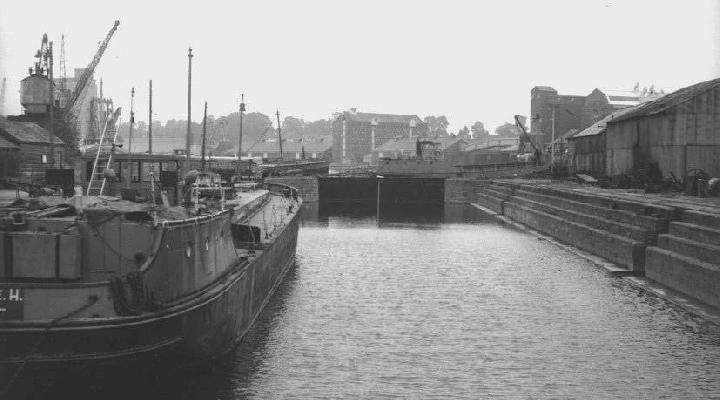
point(687, 258)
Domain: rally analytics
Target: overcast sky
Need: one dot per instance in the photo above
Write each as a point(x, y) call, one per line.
point(468, 60)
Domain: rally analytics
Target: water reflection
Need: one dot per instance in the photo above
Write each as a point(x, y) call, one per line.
point(354, 214)
point(446, 303)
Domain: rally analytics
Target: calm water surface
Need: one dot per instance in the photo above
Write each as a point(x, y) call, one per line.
point(455, 306)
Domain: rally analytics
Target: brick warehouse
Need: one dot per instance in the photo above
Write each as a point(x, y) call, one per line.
point(356, 134)
point(548, 107)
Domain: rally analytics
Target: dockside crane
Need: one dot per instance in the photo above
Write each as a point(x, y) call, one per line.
point(79, 90)
point(536, 152)
point(63, 71)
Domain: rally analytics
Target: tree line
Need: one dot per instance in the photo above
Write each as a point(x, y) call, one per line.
point(223, 132)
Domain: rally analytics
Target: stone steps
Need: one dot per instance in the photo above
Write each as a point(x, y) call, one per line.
point(587, 218)
point(708, 220)
point(634, 207)
point(688, 275)
point(619, 249)
point(695, 232)
point(652, 224)
point(491, 202)
point(677, 248)
point(493, 197)
point(690, 248)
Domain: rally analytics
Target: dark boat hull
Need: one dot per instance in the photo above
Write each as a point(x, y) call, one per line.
point(187, 336)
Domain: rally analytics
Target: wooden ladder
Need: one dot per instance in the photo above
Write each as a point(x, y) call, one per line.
point(105, 150)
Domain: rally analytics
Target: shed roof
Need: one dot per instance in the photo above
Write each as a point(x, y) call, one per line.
point(313, 146)
point(381, 118)
point(669, 100)
point(6, 144)
point(26, 132)
point(600, 126)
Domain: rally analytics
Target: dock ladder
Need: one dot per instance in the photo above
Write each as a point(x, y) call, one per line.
point(105, 150)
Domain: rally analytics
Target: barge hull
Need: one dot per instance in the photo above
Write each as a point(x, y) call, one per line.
point(189, 337)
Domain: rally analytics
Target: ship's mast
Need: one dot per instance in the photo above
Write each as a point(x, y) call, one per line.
point(242, 110)
point(132, 123)
point(132, 119)
point(52, 105)
point(189, 118)
point(277, 113)
point(150, 121)
point(202, 159)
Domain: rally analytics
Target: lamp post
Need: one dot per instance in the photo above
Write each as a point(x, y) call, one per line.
point(377, 212)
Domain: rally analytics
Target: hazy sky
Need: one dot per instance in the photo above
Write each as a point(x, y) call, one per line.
point(468, 60)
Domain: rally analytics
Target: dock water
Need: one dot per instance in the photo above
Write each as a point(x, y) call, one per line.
point(671, 241)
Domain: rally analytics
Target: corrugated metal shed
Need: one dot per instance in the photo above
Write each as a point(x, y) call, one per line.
point(670, 100)
point(600, 126)
point(26, 132)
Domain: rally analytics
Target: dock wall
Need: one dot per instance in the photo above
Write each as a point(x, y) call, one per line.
point(676, 247)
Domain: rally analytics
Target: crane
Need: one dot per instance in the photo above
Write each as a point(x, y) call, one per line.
point(85, 77)
point(521, 125)
point(63, 72)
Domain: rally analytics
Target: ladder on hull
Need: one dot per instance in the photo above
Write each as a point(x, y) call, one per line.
point(104, 155)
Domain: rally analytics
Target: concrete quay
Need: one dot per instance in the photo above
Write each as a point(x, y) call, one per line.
point(666, 240)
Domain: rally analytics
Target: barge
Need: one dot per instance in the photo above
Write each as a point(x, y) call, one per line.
point(94, 283)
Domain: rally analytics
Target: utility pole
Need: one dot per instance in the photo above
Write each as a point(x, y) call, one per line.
point(189, 118)
point(277, 113)
point(242, 110)
point(132, 119)
point(132, 124)
point(202, 150)
point(150, 121)
point(52, 107)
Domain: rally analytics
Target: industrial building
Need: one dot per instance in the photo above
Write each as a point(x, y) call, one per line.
point(679, 132)
point(356, 134)
point(554, 115)
point(27, 148)
point(586, 149)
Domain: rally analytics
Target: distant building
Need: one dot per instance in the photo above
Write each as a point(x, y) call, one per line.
point(406, 147)
point(85, 106)
point(557, 114)
point(601, 103)
point(551, 112)
point(356, 134)
point(32, 155)
point(293, 149)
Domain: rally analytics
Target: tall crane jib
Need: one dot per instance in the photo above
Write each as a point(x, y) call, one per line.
point(83, 80)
